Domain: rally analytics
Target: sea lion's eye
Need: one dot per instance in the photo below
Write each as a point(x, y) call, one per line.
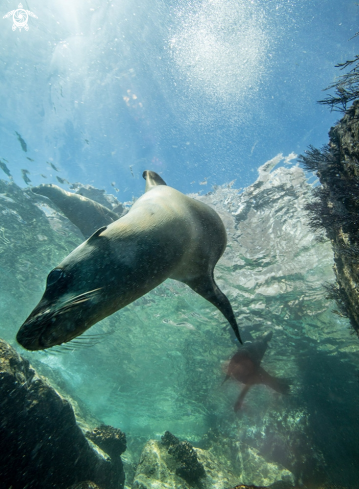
point(54, 276)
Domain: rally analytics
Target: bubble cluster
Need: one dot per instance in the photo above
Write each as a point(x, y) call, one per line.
point(221, 48)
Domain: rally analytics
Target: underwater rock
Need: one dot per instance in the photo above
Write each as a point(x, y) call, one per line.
point(256, 470)
point(189, 467)
point(160, 460)
point(85, 485)
point(335, 207)
point(276, 485)
point(110, 439)
point(157, 469)
point(241, 486)
point(41, 445)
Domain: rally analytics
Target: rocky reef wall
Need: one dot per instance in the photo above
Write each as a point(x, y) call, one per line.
point(335, 208)
point(41, 445)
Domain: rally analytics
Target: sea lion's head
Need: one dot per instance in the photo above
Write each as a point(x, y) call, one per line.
point(79, 293)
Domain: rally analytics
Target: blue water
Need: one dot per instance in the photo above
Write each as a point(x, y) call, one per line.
point(198, 91)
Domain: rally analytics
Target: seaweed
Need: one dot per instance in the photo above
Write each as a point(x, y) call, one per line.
point(346, 87)
point(351, 252)
point(328, 158)
point(336, 293)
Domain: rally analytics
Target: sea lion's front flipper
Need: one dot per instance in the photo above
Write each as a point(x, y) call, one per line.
point(86, 214)
point(152, 179)
point(241, 397)
point(207, 288)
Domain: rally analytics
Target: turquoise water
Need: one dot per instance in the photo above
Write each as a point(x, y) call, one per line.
point(204, 93)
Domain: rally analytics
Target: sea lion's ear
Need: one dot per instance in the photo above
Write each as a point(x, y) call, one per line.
point(96, 234)
point(152, 179)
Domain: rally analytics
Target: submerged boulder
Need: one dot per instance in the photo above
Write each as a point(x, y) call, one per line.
point(161, 467)
point(189, 467)
point(110, 439)
point(85, 485)
point(41, 445)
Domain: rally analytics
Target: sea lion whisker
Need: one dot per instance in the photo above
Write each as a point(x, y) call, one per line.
point(86, 345)
point(84, 294)
point(101, 333)
point(97, 335)
point(52, 351)
point(72, 346)
point(84, 342)
point(66, 308)
point(77, 300)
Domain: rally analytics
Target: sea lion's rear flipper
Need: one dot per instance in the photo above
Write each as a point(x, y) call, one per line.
point(279, 385)
point(241, 397)
point(152, 179)
point(207, 288)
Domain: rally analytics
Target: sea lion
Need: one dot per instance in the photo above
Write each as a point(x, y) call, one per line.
point(165, 235)
point(85, 213)
point(245, 367)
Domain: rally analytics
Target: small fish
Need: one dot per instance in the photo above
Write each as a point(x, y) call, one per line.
point(30, 159)
point(5, 169)
point(132, 171)
point(204, 182)
point(22, 142)
point(52, 166)
point(25, 177)
point(87, 141)
point(114, 186)
point(43, 176)
point(62, 180)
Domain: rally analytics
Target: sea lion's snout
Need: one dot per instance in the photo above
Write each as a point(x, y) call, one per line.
point(39, 331)
point(26, 338)
point(55, 322)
